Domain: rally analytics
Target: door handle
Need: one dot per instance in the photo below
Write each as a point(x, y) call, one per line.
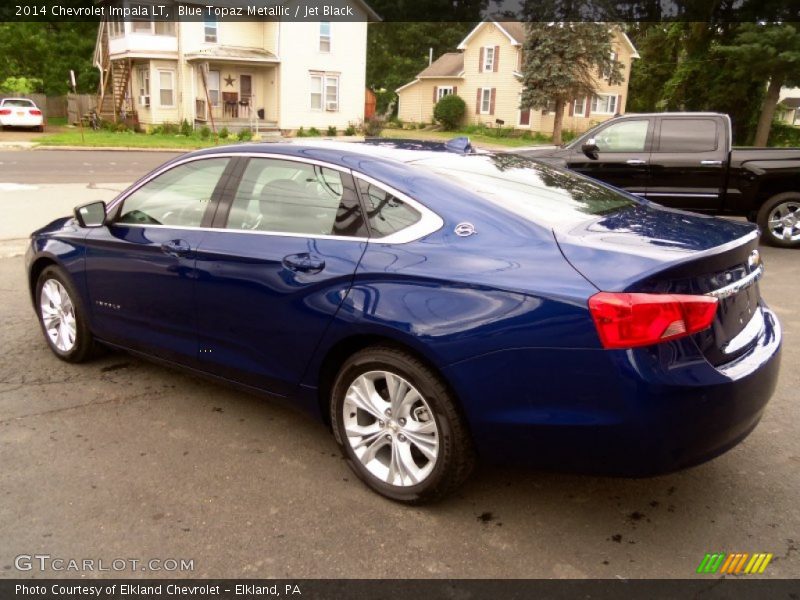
point(303, 262)
point(176, 248)
point(636, 161)
point(711, 162)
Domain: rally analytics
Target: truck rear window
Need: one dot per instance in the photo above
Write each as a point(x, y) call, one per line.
point(534, 191)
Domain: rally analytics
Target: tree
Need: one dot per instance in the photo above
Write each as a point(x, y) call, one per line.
point(772, 53)
point(562, 62)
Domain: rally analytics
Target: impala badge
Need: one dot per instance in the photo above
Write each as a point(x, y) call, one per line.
point(464, 229)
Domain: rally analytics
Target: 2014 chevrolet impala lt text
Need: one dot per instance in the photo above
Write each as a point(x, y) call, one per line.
point(432, 304)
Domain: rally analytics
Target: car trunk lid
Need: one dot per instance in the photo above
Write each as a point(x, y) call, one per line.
point(651, 249)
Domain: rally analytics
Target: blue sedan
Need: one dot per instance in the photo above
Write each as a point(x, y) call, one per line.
point(432, 304)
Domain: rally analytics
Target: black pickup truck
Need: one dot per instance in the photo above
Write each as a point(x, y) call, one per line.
point(685, 160)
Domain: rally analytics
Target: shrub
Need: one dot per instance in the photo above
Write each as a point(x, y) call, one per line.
point(186, 128)
point(350, 130)
point(567, 135)
point(205, 132)
point(224, 133)
point(244, 135)
point(783, 134)
point(301, 132)
point(449, 111)
point(313, 132)
point(332, 131)
point(372, 127)
point(168, 128)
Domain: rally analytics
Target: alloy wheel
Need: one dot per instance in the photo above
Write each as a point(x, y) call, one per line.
point(58, 315)
point(784, 221)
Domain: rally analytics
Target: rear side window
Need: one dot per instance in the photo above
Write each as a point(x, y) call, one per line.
point(688, 135)
point(178, 197)
point(386, 213)
point(284, 196)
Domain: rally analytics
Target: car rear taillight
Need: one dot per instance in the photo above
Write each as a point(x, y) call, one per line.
point(630, 320)
point(5, 111)
point(35, 111)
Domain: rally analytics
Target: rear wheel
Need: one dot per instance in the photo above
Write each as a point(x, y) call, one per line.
point(62, 317)
point(398, 426)
point(779, 219)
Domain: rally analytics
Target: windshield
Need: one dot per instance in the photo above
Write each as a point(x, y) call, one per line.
point(534, 191)
point(26, 103)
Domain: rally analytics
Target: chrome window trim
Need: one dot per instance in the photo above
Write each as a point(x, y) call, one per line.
point(429, 223)
point(737, 286)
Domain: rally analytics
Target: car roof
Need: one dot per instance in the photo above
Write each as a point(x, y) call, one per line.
point(26, 99)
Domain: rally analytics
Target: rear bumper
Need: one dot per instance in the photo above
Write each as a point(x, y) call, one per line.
point(634, 413)
point(26, 121)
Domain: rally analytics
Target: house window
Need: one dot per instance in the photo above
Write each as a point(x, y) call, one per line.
point(604, 104)
point(165, 28)
point(144, 86)
point(486, 101)
point(607, 72)
point(579, 108)
point(116, 28)
point(166, 88)
point(331, 93)
point(488, 58)
point(443, 91)
point(213, 87)
point(142, 26)
point(324, 92)
point(325, 36)
point(210, 28)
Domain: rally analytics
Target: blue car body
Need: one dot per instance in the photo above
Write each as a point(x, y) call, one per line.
point(501, 314)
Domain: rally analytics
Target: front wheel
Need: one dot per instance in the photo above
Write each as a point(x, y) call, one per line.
point(779, 220)
point(62, 317)
point(398, 426)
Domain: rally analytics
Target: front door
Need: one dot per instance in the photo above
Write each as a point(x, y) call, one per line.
point(622, 158)
point(275, 269)
point(140, 269)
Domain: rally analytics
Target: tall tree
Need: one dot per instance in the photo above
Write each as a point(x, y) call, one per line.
point(772, 51)
point(564, 61)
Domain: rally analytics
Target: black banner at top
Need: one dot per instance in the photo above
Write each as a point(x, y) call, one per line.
point(403, 10)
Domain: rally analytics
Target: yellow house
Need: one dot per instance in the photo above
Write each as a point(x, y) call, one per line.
point(486, 73)
point(262, 75)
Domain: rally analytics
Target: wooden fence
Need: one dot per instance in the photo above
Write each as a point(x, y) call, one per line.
point(78, 105)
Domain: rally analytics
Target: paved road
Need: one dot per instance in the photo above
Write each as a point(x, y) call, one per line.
point(85, 166)
point(123, 458)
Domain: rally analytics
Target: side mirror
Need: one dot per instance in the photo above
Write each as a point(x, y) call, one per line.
point(92, 214)
point(590, 148)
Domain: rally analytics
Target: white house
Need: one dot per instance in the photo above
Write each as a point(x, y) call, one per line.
point(262, 74)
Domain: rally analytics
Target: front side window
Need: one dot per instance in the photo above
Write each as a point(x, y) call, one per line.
point(325, 36)
point(626, 136)
point(604, 104)
point(166, 86)
point(176, 198)
point(283, 196)
point(210, 29)
point(488, 58)
point(486, 101)
point(688, 135)
point(386, 213)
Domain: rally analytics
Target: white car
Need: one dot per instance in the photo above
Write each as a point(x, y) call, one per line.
point(20, 112)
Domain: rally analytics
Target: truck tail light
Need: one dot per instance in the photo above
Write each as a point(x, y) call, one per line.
point(629, 320)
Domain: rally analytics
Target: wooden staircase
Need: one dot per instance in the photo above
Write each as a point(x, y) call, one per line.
point(115, 75)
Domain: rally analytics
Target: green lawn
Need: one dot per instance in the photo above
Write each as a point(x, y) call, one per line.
point(480, 139)
point(127, 139)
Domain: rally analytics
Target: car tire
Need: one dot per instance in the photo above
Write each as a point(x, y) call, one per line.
point(62, 316)
point(779, 215)
point(421, 453)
